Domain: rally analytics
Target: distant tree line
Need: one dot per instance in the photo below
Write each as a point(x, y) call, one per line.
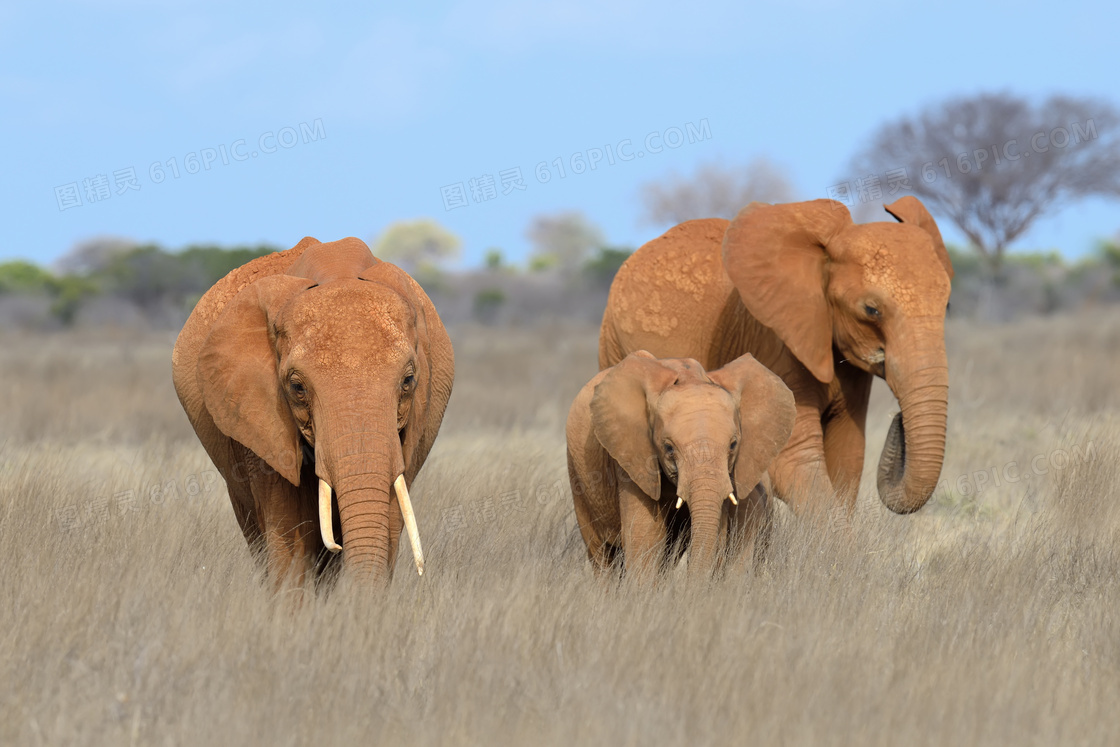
point(130, 283)
point(146, 275)
point(160, 287)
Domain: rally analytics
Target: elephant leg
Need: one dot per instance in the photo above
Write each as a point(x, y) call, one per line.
point(600, 550)
point(241, 498)
point(800, 472)
point(289, 525)
point(748, 531)
point(643, 532)
point(235, 464)
point(843, 451)
point(844, 439)
point(236, 471)
point(594, 493)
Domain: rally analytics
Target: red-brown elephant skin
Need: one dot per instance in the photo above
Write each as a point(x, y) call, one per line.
point(316, 379)
point(827, 305)
point(664, 456)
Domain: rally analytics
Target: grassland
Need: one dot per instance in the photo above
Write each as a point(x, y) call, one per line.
point(132, 612)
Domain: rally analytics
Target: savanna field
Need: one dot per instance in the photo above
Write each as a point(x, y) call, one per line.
point(132, 612)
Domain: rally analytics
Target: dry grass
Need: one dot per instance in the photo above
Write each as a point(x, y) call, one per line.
point(988, 618)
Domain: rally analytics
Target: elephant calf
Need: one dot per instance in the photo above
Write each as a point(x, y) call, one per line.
point(655, 446)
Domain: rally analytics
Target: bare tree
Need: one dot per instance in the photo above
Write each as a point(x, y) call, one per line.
point(994, 163)
point(563, 240)
point(92, 255)
point(714, 191)
point(419, 245)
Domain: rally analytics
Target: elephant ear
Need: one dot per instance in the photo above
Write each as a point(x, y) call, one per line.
point(620, 417)
point(238, 376)
point(909, 209)
point(766, 414)
point(435, 365)
point(776, 256)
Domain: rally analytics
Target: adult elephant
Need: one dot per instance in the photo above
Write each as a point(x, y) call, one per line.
point(824, 303)
point(314, 369)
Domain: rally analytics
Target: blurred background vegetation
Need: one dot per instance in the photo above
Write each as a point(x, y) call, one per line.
point(993, 198)
point(113, 282)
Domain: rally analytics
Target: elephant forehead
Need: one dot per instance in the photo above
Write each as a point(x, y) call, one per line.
point(695, 404)
point(901, 261)
point(349, 326)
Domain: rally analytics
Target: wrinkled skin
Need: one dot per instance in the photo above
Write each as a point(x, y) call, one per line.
point(646, 432)
point(827, 305)
point(320, 362)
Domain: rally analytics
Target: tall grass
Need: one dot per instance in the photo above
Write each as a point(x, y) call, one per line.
point(133, 614)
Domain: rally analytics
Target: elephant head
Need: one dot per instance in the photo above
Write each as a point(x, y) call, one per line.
point(711, 435)
point(342, 357)
point(878, 292)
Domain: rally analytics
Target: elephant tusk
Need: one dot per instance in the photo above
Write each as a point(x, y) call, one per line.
point(326, 527)
point(679, 501)
point(410, 522)
point(731, 497)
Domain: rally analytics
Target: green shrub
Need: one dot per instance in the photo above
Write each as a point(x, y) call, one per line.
point(19, 276)
point(487, 303)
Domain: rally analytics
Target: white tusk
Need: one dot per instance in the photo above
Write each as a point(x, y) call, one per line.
point(679, 502)
point(410, 522)
point(731, 497)
point(326, 527)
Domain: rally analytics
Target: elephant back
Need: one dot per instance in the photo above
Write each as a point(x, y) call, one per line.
point(667, 294)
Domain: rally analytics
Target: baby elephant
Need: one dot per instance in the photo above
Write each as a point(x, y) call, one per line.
point(663, 456)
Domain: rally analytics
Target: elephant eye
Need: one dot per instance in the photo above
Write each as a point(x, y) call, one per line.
point(871, 311)
point(408, 382)
point(297, 389)
point(668, 450)
point(733, 445)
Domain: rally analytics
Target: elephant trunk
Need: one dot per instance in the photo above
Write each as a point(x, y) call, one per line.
point(364, 513)
point(362, 467)
point(706, 497)
point(910, 463)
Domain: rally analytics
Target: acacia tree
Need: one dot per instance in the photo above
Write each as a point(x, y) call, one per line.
point(417, 246)
point(714, 191)
point(994, 163)
point(563, 240)
point(94, 255)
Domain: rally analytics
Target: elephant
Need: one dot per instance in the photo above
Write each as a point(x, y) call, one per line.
point(313, 372)
point(646, 431)
point(827, 305)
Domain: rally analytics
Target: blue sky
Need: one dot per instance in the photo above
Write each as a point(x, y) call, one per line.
point(398, 104)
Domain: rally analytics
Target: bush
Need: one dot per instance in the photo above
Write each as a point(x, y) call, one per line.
point(602, 268)
point(19, 276)
point(487, 303)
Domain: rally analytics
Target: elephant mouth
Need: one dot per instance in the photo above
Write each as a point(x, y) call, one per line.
point(730, 496)
point(877, 363)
